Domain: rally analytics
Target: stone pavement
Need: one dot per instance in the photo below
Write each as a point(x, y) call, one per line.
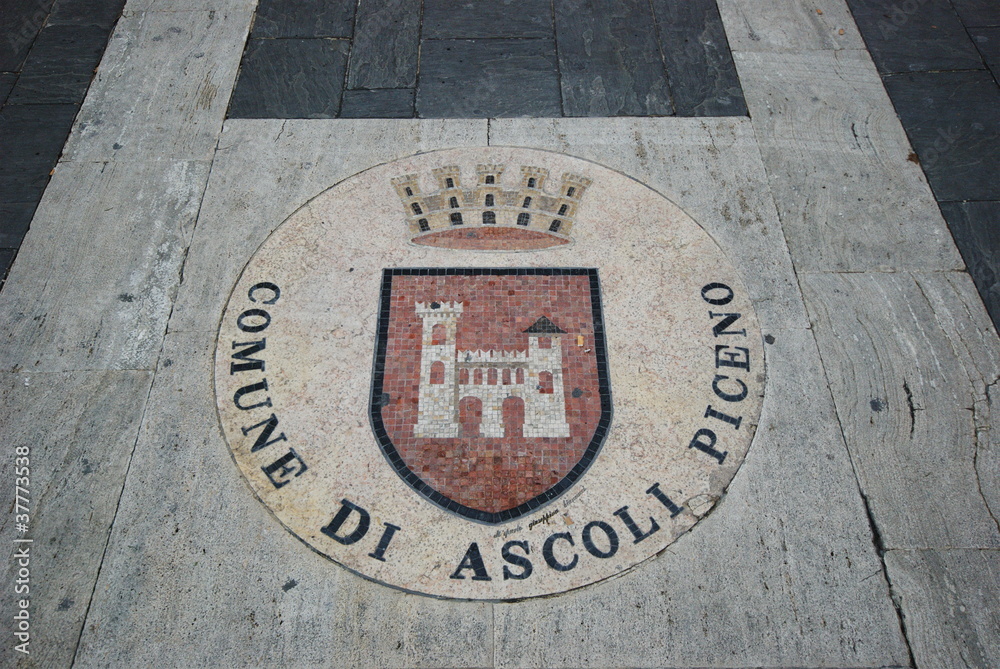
point(861, 529)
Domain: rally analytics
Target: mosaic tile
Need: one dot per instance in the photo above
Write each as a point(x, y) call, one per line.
point(487, 416)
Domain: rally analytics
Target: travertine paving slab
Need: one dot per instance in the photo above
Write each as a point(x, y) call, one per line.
point(951, 603)
point(710, 168)
point(780, 575)
point(848, 193)
point(162, 87)
point(199, 574)
point(778, 25)
point(265, 170)
point(101, 301)
point(79, 429)
point(910, 358)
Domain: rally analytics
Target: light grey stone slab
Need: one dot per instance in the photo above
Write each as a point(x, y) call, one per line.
point(96, 275)
point(909, 358)
point(848, 193)
point(80, 429)
point(782, 574)
point(198, 573)
point(163, 86)
point(134, 6)
point(710, 168)
point(776, 25)
point(266, 169)
point(951, 601)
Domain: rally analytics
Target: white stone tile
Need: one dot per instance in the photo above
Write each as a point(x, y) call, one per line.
point(79, 429)
point(710, 168)
point(267, 169)
point(776, 25)
point(783, 573)
point(95, 278)
point(837, 158)
point(910, 358)
point(198, 573)
point(163, 86)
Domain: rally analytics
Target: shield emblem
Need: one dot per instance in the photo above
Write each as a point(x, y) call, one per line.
point(490, 393)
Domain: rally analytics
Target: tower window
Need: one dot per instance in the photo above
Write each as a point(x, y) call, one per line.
point(456, 218)
point(523, 218)
point(531, 182)
point(424, 225)
point(545, 385)
point(453, 203)
point(409, 191)
point(555, 225)
point(563, 209)
point(489, 218)
point(489, 199)
point(416, 208)
point(527, 202)
point(449, 182)
point(437, 373)
point(489, 179)
point(570, 191)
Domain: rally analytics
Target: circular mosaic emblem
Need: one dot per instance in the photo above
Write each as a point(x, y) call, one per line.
point(489, 373)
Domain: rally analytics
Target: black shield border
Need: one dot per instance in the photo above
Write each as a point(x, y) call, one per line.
point(376, 402)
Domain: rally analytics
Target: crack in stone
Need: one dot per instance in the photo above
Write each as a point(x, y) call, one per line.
point(981, 423)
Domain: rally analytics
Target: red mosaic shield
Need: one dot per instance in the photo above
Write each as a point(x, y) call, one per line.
point(490, 392)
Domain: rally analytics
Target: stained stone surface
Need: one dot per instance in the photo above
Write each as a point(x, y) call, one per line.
point(306, 317)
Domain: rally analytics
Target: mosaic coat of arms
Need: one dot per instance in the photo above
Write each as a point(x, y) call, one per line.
point(489, 373)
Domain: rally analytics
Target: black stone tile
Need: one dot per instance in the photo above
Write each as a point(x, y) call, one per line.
point(930, 37)
point(703, 78)
point(976, 229)
point(20, 21)
point(304, 18)
point(449, 19)
point(60, 65)
point(953, 126)
point(290, 78)
point(987, 40)
point(6, 260)
point(386, 44)
point(609, 59)
point(978, 12)
point(15, 217)
point(488, 78)
point(384, 103)
point(104, 13)
point(7, 81)
point(31, 140)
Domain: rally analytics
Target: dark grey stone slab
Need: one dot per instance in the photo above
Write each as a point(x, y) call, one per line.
point(61, 64)
point(386, 44)
point(21, 20)
point(953, 126)
point(31, 140)
point(703, 78)
point(7, 80)
point(304, 18)
point(15, 217)
point(978, 12)
point(385, 103)
point(290, 78)
point(6, 260)
point(103, 13)
point(930, 37)
point(976, 229)
point(987, 40)
point(609, 59)
point(488, 78)
point(450, 19)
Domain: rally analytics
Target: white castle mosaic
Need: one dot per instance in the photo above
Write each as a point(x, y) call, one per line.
point(447, 376)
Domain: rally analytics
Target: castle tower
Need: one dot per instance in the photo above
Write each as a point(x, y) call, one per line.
point(437, 412)
point(545, 403)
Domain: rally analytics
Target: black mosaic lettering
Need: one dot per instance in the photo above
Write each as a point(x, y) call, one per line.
point(253, 313)
point(346, 509)
point(725, 357)
point(267, 427)
point(725, 299)
point(383, 543)
point(516, 560)
point(264, 285)
point(674, 509)
point(725, 418)
point(609, 533)
point(719, 328)
point(708, 445)
point(549, 555)
point(248, 363)
point(278, 471)
point(730, 397)
point(249, 389)
point(633, 527)
point(473, 560)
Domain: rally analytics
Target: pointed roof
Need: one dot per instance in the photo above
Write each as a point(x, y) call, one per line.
point(544, 326)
